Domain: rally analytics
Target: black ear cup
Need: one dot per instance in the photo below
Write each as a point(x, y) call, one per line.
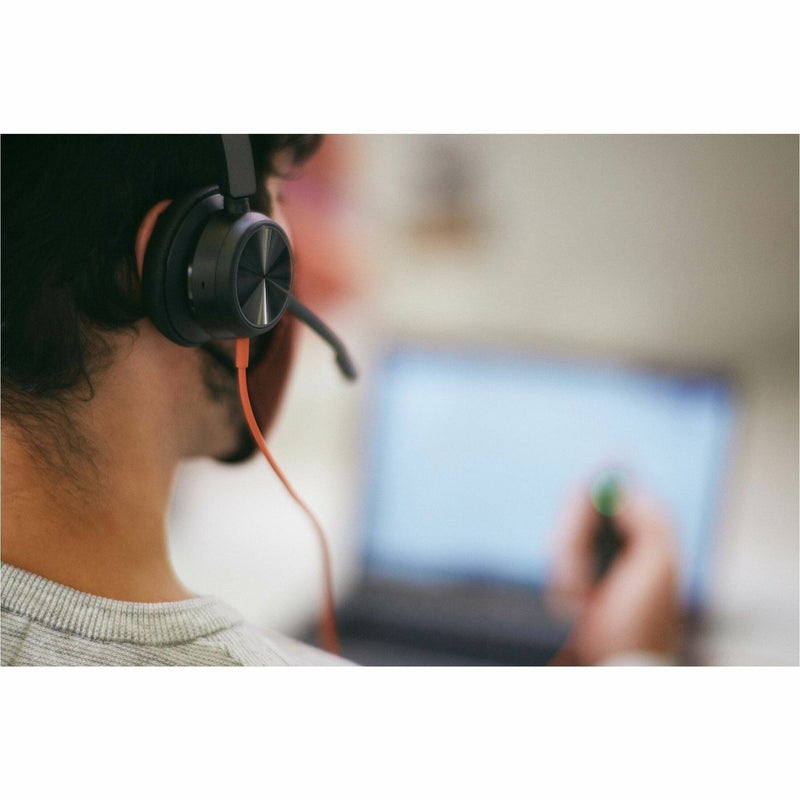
point(169, 254)
point(209, 274)
point(241, 276)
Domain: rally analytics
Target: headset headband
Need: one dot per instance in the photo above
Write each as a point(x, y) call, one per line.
point(237, 170)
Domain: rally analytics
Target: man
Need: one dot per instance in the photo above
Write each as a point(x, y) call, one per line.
point(99, 408)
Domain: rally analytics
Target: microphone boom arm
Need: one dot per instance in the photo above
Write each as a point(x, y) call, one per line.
point(305, 315)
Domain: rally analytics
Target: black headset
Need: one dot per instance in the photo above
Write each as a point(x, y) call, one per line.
point(214, 269)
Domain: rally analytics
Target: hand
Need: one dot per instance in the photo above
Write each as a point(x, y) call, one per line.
point(634, 607)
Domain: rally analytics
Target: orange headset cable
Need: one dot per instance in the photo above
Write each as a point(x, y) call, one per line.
point(329, 638)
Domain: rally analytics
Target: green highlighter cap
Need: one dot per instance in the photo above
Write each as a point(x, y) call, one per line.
point(607, 492)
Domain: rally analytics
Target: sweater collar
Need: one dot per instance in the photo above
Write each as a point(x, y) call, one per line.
point(102, 619)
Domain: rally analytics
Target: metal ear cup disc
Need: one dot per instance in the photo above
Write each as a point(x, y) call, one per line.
point(240, 276)
point(264, 276)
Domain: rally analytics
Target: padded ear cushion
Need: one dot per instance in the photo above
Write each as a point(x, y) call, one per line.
point(167, 259)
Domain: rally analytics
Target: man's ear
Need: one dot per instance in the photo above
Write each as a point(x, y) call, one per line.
point(146, 230)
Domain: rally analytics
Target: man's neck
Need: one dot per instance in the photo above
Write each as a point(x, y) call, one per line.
point(99, 526)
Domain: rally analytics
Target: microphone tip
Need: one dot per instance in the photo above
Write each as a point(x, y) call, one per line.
point(346, 367)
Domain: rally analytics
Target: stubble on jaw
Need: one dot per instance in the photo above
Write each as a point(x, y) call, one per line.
point(220, 382)
point(221, 389)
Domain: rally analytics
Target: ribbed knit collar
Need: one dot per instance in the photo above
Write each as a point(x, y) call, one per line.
point(102, 619)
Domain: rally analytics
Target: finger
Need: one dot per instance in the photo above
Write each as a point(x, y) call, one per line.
point(571, 565)
point(645, 525)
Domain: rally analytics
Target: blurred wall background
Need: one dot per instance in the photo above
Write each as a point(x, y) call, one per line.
point(673, 251)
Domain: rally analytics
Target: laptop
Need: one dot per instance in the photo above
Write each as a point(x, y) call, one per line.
point(471, 455)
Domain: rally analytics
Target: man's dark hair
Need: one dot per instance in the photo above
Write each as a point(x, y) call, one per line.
point(71, 207)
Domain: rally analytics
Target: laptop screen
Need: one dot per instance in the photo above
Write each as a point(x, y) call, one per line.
point(473, 455)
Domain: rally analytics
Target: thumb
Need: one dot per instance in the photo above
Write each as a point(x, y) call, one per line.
point(643, 523)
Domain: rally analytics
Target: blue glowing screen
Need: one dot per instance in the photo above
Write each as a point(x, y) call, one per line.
point(473, 455)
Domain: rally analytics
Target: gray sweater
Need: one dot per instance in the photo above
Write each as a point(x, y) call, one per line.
point(46, 624)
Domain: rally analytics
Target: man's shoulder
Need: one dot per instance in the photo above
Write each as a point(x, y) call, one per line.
point(27, 642)
point(45, 623)
point(309, 655)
